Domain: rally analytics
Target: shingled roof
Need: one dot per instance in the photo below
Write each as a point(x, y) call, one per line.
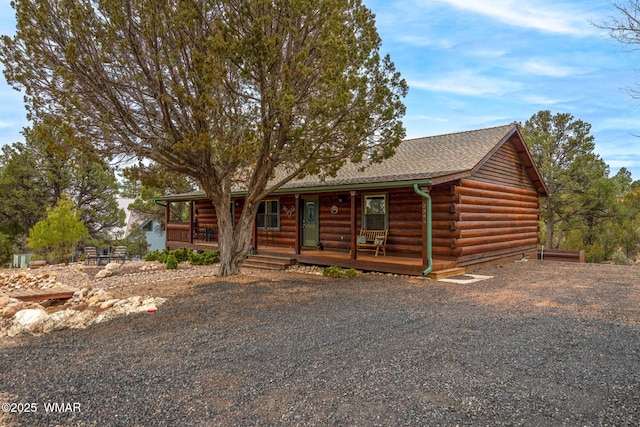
point(421, 158)
point(438, 158)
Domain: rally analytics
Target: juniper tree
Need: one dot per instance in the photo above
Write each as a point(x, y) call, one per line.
point(238, 94)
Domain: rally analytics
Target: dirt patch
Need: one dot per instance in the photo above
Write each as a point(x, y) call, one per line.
point(538, 344)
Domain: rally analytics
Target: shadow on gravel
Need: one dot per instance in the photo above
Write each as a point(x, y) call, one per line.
point(317, 351)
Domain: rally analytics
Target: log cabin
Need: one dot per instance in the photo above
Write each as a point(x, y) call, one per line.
point(446, 202)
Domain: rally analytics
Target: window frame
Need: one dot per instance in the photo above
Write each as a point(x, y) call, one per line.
point(269, 212)
point(385, 196)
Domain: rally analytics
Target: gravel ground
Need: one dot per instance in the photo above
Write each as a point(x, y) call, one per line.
point(541, 344)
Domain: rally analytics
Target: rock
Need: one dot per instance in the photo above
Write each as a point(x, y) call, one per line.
point(112, 266)
point(108, 304)
point(4, 301)
point(94, 298)
point(104, 273)
point(135, 301)
point(29, 320)
point(67, 319)
point(105, 296)
point(79, 294)
point(11, 309)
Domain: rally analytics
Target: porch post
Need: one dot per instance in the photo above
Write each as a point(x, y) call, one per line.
point(354, 247)
point(254, 238)
point(298, 230)
point(167, 215)
point(191, 207)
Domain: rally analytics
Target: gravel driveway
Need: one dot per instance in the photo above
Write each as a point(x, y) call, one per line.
point(540, 344)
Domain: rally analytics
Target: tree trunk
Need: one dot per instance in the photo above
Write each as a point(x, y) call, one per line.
point(551, 224)
point(234, 243)
point(234, 246)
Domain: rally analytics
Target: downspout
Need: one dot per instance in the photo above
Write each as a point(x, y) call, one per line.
point(429, 232)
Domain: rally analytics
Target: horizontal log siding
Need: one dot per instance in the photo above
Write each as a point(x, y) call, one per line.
point(443, 219)
point(205, 215)
point(505, 168)
point(405, 227)
point(286, 236)
point(335, 229)
point(405, 223)
point(494, 220)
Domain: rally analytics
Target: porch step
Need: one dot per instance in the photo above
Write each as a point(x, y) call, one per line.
point(449, 272)
point(268, 262)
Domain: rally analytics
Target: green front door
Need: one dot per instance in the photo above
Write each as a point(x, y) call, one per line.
point(310, 214)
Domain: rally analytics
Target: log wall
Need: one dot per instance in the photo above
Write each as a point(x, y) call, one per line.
point(405, 223)
point(335, 229)
point(405, 226)
point(494, 213)
point(505, 168)
point(493, 221)
point(204, 215)
point(490, 215)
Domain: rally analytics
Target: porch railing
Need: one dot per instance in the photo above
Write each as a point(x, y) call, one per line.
point(178, 232)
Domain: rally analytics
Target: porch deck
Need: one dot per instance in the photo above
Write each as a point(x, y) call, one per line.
point(383, 264)
point(325, 258)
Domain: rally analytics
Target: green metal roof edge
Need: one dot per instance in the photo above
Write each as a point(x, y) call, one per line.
point(300, 190)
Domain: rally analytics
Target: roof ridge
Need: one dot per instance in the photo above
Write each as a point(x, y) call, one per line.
point(461, 132)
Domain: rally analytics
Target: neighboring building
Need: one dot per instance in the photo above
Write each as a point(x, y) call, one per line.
point(483, 184)
point(154, 232)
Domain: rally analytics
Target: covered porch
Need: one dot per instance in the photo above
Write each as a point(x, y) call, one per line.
point(325, 258)
point(324, 228)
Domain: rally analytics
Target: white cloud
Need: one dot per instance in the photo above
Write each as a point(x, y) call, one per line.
point(465, 83)
point(423, 41)
point(541, 68)
point(540, 100)
point(553, 17)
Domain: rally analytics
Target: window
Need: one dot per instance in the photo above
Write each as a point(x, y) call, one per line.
point(374, 212)
point(268, 217)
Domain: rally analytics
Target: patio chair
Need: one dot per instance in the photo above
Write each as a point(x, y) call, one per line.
point(119, 254)
point(90, 255)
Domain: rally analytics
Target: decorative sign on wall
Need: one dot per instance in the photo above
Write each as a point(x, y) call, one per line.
point(334, 209)
point(289, 210)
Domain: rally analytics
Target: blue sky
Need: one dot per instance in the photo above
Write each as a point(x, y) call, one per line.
point(478, 63)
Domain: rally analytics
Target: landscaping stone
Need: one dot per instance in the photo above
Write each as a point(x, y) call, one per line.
point(112, 266)
point(104, 273)
point(11, 309)
point(89, 304)
point(108, 304)
point(29, 320)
